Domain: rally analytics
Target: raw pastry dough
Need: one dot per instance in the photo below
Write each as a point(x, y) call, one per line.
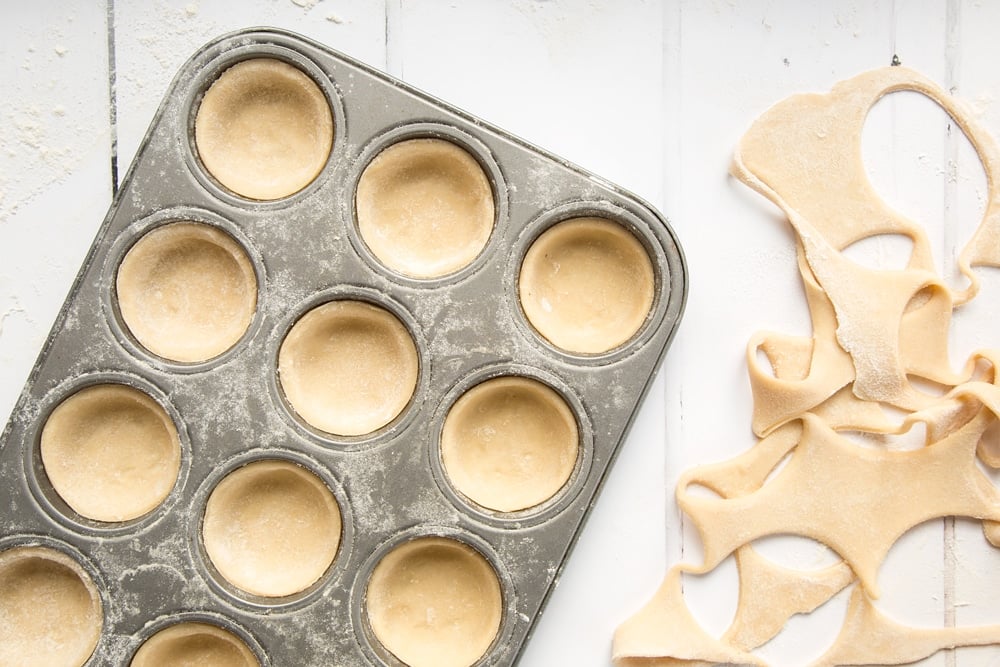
point(50, 610)
point(943, 474)
point(425, 207)
point(187, 291)
point(868, 636)
point(874, 331)
point(509, 443)
point(111, 452)
point(272, 528)
point(264, 129)
point(434, 602)
point(348, 367)
point(587, 285)
point(194, 644)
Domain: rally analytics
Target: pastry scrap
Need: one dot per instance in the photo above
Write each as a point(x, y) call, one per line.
point(879, 338)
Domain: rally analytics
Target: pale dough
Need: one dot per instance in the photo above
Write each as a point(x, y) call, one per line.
point(509, 443)
point(434, 602)
point(111, 452)
point(348, 367)
point(425, 207)
point(50, 609)
point(194, 644)
point(264, 129)
point(187, 291)
point(587, 285)
point(874, 332)
point(272, 528)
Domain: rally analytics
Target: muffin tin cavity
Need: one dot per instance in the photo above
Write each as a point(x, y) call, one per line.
point(509, 444)
point(348, 367)
point(587, 285)
point(186, 291)
point(194, 643)
point(425, 207)
point(272, 528)
point(264, 129)
point(434, 602)
point(50, 609)
point(110, 452)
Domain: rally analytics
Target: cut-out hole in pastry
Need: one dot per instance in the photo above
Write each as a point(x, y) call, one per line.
point(434, 602)
point(110, 452)
point(989, 447)
point(912, 439)
point(50, 609)
point(906, 142)
point(425, 207)
point(194, 643)
point(510, 443)
point(247, 528)
point(927, 387)
point(348, 368)
point(712, 596)
point(821, 625)
point(974, 582)
point(796, 552)
point(186, 291)
point(778, 468)
point(264, 129)
point(921, 298)
point(587, 285)
point(915, 600)
point(701, 491)
point(882, 251)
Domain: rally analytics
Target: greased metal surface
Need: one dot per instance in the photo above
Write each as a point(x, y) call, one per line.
point(306, 250)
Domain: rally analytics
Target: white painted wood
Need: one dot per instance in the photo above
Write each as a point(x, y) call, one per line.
point(55, 166)
point(572, 77)
point(651, 95)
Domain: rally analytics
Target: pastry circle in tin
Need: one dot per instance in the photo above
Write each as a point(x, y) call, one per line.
point(434, 602)
point(264, 129)
point(425, 207)
point(348, 367)
point(587, 285)
point(111, 452)
point(272, 528)
point(50, 608)
point(194, 643)
point(510, 443)
point(186, 291)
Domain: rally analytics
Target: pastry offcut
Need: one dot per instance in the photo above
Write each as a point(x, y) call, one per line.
point(879, 338)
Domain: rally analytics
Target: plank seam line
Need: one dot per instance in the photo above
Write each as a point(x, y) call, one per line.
point(112, 94)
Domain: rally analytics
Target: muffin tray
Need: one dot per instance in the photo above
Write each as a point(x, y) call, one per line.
point(294, 410)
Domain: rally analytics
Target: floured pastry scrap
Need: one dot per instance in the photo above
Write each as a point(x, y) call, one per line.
point(879, 340)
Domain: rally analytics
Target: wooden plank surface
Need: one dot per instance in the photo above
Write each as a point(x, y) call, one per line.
point(650, 95)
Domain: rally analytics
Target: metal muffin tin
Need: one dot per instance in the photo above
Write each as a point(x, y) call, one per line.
point(306, 250)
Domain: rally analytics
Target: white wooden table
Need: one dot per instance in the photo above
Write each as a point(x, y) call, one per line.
point(652, 96)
